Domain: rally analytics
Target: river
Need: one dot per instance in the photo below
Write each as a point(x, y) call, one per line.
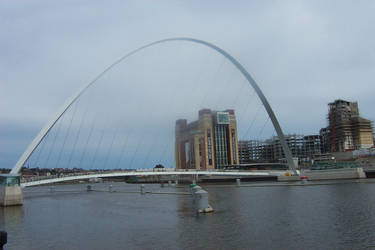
point(335, 215)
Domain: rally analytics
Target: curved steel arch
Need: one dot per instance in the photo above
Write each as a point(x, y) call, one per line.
point(43, 132)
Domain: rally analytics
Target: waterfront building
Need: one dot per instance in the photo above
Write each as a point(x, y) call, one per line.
point(347, 130)
point(295, 144)
point(362, 133)
point(305, 148)
point(325, 140)
point(207, 143)
point(312, 146)
point(253, 151)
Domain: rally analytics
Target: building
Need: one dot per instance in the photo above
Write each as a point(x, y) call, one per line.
point(362, 133)
point(208, 143)
point(312, 147)
point(295, 144)
point(255, 151)
point(305, 148)
point(339, 117)
point(325, 140)
point(346, 129)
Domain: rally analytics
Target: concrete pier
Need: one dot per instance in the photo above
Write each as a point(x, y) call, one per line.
point(10, 190)
point(238, 182)
point(143, 191)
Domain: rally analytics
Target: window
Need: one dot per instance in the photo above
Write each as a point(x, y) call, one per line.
point(234, 152)
point(200, 143)
point(209, 147)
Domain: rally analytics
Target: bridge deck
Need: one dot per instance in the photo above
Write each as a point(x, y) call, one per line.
point(152, 173)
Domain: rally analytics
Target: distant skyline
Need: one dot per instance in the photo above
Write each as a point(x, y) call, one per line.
point(303, 54)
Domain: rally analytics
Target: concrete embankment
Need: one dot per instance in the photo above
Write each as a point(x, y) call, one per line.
point(336, 174)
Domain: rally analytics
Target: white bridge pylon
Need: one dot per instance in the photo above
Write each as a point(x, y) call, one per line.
point(154, 173)
point(44, 131)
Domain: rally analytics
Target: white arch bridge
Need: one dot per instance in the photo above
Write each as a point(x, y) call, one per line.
point(145, 173)
point(10, 195)
point(48, 126)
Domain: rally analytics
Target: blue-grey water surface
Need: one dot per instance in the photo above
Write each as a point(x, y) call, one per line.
point(336, 216)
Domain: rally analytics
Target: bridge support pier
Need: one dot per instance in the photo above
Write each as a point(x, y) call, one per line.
point(238, 182)
point(10, 190)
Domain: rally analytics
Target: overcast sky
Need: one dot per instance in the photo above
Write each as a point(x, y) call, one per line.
point(303, 54)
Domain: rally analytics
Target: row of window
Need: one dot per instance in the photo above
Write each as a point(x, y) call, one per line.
point(209, 146)
point(221, 154)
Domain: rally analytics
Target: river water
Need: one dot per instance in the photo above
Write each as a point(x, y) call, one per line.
point(339, 215)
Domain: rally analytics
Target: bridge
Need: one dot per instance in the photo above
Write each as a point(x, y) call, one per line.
point(11, 186)
point(193, 173)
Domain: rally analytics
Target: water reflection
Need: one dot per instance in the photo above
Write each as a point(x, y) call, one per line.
point(10, 216)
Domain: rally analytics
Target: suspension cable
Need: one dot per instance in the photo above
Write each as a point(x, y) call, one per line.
point(68, 131)
point(87, 141)
point(78, 134)
point(40, 150)
point(54, 139)
point(253, 121)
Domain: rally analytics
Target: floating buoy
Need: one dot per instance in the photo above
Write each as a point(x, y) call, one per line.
point(201, 202)
point(195, 188)
point(304, 179)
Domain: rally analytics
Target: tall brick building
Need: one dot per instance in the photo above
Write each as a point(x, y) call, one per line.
point(208, 143)
point(346, 129)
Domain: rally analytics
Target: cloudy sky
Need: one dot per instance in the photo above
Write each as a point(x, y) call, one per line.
point(303, 54)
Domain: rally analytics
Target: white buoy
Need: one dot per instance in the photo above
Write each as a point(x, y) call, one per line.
point(195, 189)
point(110, 188)
point(201, 202)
